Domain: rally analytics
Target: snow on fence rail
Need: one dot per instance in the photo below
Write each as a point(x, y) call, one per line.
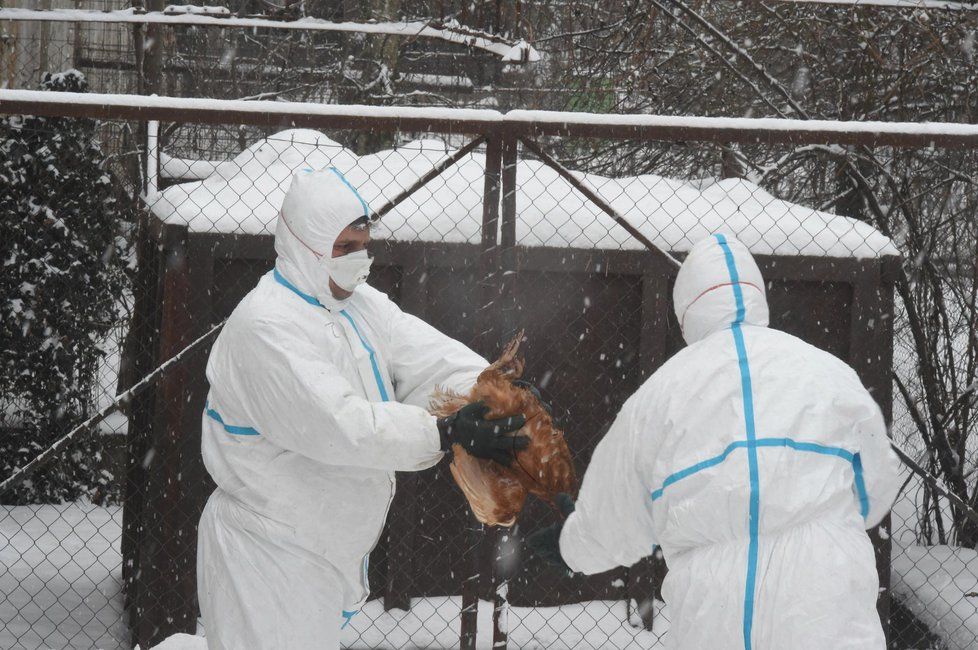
point(463, 120)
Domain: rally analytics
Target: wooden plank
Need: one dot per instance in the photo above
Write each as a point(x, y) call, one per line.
point(162, 606)
point(140, 358)
point(870, 355)
point(644, 578)
point(404, 518)
point(550, 258)
point(195, 484)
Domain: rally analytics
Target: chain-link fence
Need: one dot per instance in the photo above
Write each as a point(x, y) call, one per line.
point(99, 548)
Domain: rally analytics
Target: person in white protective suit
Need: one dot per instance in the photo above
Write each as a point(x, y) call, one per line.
point(318, 385)
point(756, 462)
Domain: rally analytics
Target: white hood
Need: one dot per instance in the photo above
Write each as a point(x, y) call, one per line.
point(719, 261)
point(317, 207)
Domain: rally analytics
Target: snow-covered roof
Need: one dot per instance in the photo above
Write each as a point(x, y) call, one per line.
point(244, 195)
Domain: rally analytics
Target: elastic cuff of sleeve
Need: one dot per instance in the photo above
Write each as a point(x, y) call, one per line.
point(443, 425)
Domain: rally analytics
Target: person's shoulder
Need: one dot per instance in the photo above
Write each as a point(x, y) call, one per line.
point(374, 304)
point(268, 306)
point(804, 347)
point(819, 364)
point(367, 294)
point(691, 355)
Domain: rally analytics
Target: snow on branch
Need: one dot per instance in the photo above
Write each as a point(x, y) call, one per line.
point(452, 32)
point(895, 4)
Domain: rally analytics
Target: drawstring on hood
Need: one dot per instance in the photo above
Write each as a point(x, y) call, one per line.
point(316, 209)
point(701, 303)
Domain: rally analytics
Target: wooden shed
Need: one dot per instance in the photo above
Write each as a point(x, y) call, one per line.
point(595, 305)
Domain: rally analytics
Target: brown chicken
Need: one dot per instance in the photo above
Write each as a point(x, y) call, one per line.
point(497, 493)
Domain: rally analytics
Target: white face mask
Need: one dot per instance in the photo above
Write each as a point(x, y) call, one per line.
point(350, 270)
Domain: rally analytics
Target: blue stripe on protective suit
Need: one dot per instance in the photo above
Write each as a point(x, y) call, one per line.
point(857, 469)
point(366, 346)
point(230, 428)
point(291, 287)
point(348, 615)
point(748, 397)
point(812, 447)
point(373, 356)
point(698, 467)
point(366, 210)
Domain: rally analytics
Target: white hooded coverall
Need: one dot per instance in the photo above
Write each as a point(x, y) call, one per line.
point(314, 403)
point(756, 461)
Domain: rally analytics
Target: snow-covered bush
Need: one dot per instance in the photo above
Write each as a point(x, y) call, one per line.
point(62, 273)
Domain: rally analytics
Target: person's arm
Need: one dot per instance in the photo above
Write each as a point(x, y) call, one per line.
point(423, 358)
point(612, 523)
point(288, 390)
point(878, 468)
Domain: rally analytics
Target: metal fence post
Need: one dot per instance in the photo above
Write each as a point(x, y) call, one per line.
point(484, 342)
point(502, 540)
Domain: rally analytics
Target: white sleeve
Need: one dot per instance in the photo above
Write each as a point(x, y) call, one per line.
point(612, 523)
point(878, 470)
point(294, 396)
point(422, 358)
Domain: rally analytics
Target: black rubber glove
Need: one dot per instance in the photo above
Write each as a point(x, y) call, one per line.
point(520, 383)
point(481, 437)
point(545, 543)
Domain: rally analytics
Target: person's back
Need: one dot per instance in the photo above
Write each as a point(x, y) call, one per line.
point(756, 461)
point(805, 480)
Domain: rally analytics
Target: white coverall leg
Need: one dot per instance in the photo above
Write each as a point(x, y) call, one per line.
point(305, 613)
point(757, 462)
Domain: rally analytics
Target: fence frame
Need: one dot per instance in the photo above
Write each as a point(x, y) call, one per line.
point(489, 122)
point(498, 256)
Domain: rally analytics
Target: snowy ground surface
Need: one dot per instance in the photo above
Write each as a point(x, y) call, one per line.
point(244, 195)
point(939, 585)
point(433, 623)
point(60, 577)
point(60, 587)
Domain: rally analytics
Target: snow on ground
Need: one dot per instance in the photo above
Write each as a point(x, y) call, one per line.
point(244, 195)
point(60, 587)
point(60, 577)
point(939, 585)
point(433, 623)
point(182, 642)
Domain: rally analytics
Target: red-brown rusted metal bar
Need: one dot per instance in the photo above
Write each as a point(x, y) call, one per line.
point(597, 200)
point(486, 122)
point(432, 174)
